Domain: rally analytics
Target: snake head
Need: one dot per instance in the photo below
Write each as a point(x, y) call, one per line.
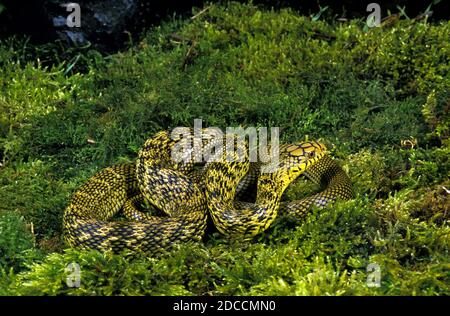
point(304, 150)
point(300, 156)
point(296, 158)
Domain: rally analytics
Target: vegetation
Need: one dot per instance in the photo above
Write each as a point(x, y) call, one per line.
point(379, 98)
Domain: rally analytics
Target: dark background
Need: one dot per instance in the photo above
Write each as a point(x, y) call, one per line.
point(34, 18)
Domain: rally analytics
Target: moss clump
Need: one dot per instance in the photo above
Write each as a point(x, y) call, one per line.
point(378, 98)
point(16, 239)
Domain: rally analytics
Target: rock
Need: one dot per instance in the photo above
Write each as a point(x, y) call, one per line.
point(100, 22)
point(104, 24)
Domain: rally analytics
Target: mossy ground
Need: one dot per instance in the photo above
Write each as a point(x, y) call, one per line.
point(379, 98)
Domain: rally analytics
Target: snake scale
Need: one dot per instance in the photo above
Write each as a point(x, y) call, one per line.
point(184, 194)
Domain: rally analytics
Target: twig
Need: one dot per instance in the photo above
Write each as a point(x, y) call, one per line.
point(200, 13)
point(179, 39)
point(189, 55)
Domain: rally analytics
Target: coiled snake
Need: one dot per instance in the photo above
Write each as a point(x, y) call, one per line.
point(185, 194)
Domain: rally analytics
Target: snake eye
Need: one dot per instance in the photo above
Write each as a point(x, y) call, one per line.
point(311, 154)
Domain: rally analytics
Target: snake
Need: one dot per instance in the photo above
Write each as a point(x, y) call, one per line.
point(106, 214)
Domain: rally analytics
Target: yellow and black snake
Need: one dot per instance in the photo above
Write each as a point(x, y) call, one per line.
point(186, 195)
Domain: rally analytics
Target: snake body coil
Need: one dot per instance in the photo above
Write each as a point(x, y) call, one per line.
point(185, 196)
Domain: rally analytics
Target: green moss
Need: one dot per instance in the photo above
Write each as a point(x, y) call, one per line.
point(378, 98)
point(32, 190)
point(15, 238)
